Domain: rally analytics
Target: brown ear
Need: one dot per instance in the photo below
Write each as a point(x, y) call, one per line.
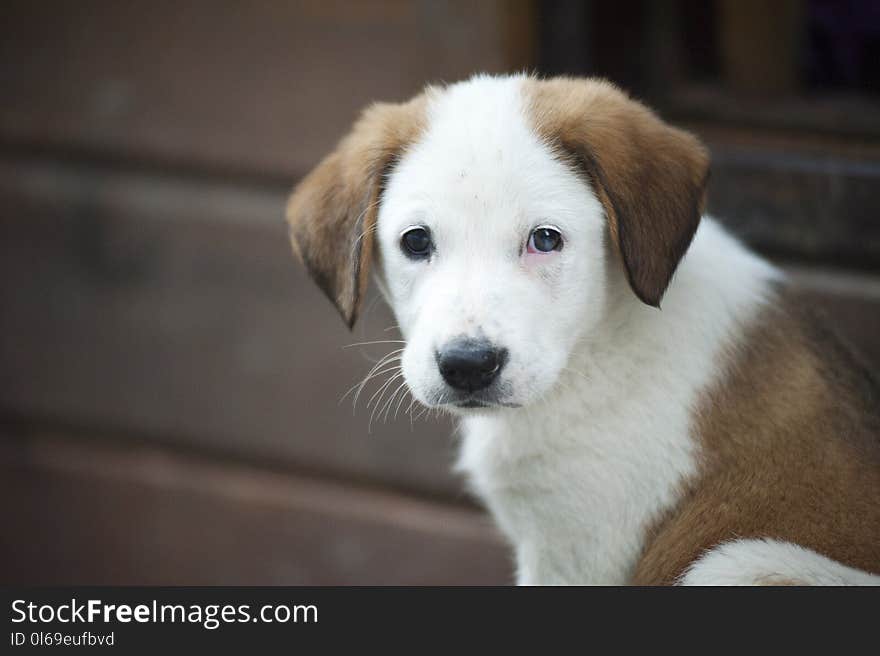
point(649, 176)
point(332, 212)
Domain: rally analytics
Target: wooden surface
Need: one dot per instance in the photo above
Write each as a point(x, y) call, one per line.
point(113, 513)
point(256, 88)
point(819, 207)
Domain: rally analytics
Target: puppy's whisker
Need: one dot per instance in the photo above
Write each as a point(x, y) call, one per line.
point(373, 361)
point(381, 392)
point(365, 380)
point(421, 412)
point(384, 385)
point(372, 374)
point(378, 341)
point(400, 402)
point(393, 397)
point(439, 407)
point(391, 400)
point(391, 357)
point(409, 411)
point(357, 242)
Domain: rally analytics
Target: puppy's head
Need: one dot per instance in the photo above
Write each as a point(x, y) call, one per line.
point(499, 209)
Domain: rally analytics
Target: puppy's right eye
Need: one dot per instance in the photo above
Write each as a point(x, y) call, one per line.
point(416, 243)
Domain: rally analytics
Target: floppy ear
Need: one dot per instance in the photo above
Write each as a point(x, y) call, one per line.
point(649, 176)
point(332, 212)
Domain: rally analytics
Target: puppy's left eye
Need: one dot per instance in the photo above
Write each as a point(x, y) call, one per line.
point(416, 243)
point(544, 240)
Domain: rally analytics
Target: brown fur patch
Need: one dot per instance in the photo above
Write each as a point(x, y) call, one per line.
point(649, 176)
point(778, 582)
point(791, 451)
point(332, 212)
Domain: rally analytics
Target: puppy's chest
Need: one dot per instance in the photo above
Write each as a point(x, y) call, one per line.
point(576, 501)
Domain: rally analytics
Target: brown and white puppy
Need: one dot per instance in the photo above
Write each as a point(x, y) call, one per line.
point(524, 233)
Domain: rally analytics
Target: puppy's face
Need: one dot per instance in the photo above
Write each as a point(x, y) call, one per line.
point(496, 210)
point(492, 253)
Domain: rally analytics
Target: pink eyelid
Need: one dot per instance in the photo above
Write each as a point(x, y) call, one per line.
point(531, 250)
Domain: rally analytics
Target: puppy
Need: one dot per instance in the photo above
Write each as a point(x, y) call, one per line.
point(525, 233)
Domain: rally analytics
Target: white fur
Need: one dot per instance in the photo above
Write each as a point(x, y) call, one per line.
point(771, 562)
point(576, 479)
point(603, 437)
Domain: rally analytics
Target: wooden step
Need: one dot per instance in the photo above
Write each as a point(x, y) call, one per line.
point(111, 512)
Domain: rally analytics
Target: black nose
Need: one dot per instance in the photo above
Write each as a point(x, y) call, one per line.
point(470, 364)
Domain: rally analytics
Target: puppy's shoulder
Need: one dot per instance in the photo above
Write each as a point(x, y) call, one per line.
point(789, 439)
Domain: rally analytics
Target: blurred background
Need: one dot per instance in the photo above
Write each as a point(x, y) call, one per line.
point(170, 379)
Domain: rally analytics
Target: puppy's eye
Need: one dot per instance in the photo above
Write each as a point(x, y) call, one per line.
point(544, 240)
point(416, 243)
